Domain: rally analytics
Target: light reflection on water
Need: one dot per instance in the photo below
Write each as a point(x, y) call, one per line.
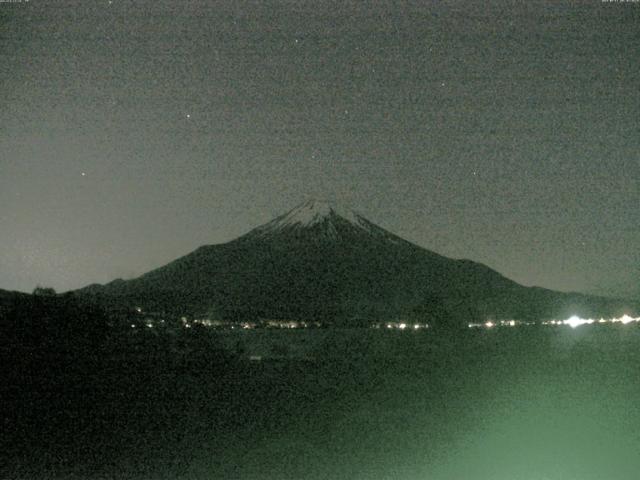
point(501, 405)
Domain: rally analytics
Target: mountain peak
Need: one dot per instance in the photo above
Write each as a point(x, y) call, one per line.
point(312, 213)
point(315, 211)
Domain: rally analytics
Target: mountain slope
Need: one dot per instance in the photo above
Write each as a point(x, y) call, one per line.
point(320, 262)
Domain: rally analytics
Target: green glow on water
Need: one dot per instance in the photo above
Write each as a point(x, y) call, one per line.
point(557, 404)
point(485, 404)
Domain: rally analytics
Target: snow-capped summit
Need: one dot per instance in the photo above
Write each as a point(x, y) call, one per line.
point(314, 213)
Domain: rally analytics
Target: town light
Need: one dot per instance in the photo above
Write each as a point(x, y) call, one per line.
point(576, 321)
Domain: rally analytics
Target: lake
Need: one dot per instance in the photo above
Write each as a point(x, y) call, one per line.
point(530, 403)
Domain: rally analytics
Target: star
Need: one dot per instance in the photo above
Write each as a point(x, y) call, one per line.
point(188, 115)
point(83, 174)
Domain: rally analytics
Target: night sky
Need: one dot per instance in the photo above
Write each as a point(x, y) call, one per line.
point(132, 132)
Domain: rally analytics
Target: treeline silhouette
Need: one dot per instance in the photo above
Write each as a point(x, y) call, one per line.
point(51, 330)
point(80, 385)
point(48, 331)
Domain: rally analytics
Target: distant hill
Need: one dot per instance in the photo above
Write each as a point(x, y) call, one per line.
point(10, 298)
point(320, 262)
point(9, 294)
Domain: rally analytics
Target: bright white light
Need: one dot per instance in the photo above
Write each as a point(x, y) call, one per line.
point(489, 324)
point(627, 319)
point(416, 326)
point(402, 326)
point(576, 321)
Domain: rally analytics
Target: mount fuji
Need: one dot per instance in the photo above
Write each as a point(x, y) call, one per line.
point(324, 263)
